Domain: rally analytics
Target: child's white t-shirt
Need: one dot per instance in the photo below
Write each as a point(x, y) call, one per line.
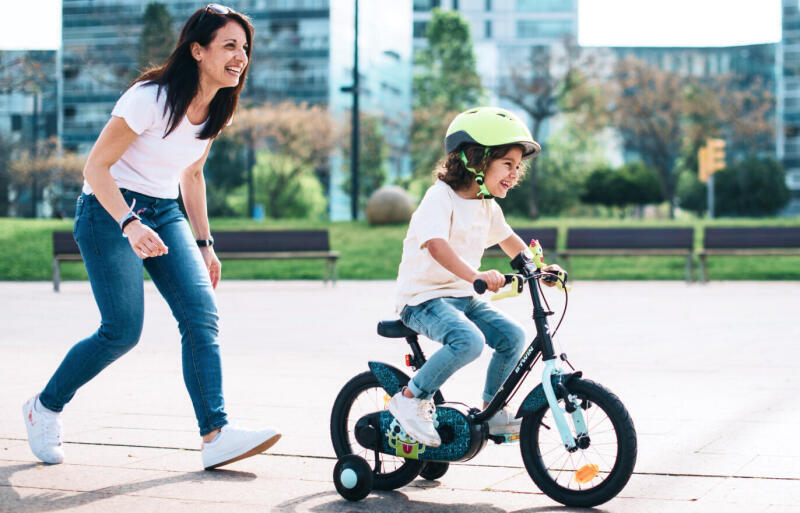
point(152, 163)
point(468, 225)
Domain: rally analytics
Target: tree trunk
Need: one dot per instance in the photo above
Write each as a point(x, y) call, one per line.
point(533, 206)
point(251, 163)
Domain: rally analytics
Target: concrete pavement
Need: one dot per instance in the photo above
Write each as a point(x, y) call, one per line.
point(710, 375)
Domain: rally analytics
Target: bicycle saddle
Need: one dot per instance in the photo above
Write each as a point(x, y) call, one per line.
point(395, 329)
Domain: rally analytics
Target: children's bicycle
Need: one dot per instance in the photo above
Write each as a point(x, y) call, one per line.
point(577, 440)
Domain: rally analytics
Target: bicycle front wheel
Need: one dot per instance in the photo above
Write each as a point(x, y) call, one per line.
point(590, 475)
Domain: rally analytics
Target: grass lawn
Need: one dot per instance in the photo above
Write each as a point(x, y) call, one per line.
point(374, 252)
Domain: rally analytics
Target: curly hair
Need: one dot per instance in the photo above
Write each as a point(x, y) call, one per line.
point(454, 173)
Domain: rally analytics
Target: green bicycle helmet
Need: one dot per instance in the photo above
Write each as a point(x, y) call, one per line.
point(487, 127)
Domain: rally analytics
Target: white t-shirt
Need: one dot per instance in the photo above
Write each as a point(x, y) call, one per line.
point(468, 225)
point(152, 163)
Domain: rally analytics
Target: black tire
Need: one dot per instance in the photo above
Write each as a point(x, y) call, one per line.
point(361, 395)
point(612, 448)
point(433, 470)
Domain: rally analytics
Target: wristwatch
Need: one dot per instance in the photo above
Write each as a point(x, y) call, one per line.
point(204, 243)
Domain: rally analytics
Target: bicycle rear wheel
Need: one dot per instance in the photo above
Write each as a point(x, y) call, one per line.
point(591, 475)
point(360, 396)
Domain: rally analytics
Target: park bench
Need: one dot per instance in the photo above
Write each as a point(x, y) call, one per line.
point(748, 241)
point(234, 245)
point(631, 242)
point(547, 237)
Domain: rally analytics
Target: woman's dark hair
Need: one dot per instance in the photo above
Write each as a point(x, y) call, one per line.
point(454, 173)
point(180, 76)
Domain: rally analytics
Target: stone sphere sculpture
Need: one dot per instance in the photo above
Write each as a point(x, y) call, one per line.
point(389, 205)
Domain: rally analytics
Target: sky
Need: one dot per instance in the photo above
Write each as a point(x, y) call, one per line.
point(36, 24)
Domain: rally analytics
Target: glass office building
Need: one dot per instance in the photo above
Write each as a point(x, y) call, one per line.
point(788, 64)
point(303, 51)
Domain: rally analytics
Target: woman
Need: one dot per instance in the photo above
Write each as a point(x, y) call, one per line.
point(154, 145)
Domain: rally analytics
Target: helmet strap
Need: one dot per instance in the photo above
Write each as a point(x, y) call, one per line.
point(478, 175)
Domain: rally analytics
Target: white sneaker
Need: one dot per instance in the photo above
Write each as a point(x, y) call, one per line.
point(504, 423)
point(416, 418)
point(234, 444)
point(44, 431)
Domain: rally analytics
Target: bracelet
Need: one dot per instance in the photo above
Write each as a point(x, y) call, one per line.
point(204, 243)
point(126, 220)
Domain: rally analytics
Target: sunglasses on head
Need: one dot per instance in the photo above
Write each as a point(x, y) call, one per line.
point(216, 9)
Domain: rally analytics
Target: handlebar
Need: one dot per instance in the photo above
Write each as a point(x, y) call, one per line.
point(480, 285)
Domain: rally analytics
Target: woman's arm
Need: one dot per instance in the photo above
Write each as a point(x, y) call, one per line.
point(114, 140)
point(443, 253)
point(193, 191)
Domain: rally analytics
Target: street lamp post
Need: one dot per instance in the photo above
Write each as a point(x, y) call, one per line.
point(354, 146)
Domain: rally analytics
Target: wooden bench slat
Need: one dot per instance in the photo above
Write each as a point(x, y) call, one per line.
point(630, 238)
point(239, 245)
point(748, 241)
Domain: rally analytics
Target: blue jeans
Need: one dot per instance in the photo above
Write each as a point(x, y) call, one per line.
point(117, 280)
point(463, 325)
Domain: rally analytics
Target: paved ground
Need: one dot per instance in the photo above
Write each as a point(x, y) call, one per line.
point(710, 374)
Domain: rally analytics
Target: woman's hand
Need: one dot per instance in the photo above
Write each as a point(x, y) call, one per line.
point(144, 240)
point(212, 263)
point(555, 268)
point(494, 279)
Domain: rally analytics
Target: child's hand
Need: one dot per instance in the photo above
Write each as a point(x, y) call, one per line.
point(554, 268)
point(494, 279)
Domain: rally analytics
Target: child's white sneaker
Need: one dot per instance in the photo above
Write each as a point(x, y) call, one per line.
point(504, 423)
point(44, 431)
point(416, 418)
point(234, 444)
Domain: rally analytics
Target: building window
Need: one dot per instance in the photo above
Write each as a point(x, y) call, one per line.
point(455, 5)
point(426, 5)
point(420, 28)
point(487, 29)
point(546, 5)
point(487, 5)
point(16, 122)
point(544, 29)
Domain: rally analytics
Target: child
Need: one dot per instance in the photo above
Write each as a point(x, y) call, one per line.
point(455, 221)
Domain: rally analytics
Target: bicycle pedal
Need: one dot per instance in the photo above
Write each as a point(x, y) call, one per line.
point(507, 438)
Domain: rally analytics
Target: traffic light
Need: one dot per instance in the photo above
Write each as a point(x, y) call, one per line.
point(710, 158)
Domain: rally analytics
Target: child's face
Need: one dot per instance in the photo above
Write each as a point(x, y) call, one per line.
point(503, 173)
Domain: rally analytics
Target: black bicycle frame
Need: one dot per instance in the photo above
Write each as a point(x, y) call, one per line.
point(541, 344)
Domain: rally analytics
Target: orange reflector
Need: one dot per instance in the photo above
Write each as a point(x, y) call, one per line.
point(386, 400)
point(408, 360)
point(586, 473)
point(511, 438)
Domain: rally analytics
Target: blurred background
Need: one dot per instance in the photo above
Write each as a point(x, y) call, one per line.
point(647, 112)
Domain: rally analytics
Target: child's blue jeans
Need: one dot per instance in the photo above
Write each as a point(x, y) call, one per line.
point(463, 325)
point(116, 276)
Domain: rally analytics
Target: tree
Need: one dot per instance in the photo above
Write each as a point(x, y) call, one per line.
point(665, 117)
point(447, 83)
point(373, 152)
point(553, 81)
point(225, 171)
point(48, 165)
point(571, 153)
point(157, 38)
point(305, 133)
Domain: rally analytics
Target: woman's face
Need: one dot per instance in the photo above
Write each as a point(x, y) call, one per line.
point(223, 61)
point(503, 173)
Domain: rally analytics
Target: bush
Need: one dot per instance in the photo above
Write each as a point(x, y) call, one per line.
point(754, 187)
point(287, 188)
point(632, 184)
